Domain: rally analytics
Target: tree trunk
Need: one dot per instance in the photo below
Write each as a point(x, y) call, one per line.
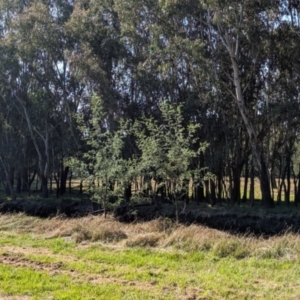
point(295, 184)
point(25, 179)
point(246, 181)
point(19, 182)
point(45, 191)
point(9, 179)
point(298, 189)
point(288, 178)
point(43, 161)
point(81, 186)
point(258, 159)
point(50, 183)
point(252, 183)
point(63, 179)
point(198, 193)
point(282, 181)
point(127, 193)
point(236, 192)
point(56, 178)
point(267, 200)
point(212, 192)
point(31, 181)
point(207, 192)
point(70, 183)
point(9, 172)
point(11, 189)
point(220, 187)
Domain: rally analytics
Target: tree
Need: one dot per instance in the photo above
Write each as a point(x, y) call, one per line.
point(237, 24)
point(166, 151)
point(108, 169)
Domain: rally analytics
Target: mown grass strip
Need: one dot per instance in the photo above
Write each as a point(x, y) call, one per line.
point(40, 285)
point(182, 273)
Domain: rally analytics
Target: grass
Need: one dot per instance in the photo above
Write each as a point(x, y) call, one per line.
point(97, 258)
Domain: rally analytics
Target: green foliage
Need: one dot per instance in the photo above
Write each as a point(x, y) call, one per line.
point(78, 167)
point(167, 149)
point(105, 162)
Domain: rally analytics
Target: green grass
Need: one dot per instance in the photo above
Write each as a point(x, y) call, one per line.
point(45, 261)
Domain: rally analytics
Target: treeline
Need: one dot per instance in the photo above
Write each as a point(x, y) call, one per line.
point(169, 99)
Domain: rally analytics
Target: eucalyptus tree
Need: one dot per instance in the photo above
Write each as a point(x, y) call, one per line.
point(10, 128)
point(165, 60)
point(96, 53)
point(283, 95)
point(11, 146)
point(43, 91)
point(240, 26)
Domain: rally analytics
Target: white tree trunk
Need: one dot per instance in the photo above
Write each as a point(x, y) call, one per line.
point(243, 111)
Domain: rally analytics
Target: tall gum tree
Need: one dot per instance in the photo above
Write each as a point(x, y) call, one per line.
point(44, 92)
point(239, 25)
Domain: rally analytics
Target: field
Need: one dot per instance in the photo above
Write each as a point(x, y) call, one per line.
point(97, 258)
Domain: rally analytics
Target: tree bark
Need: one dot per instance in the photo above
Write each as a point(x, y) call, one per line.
point(288, 179)
point(70, 183)
point(212, 193)
point(43, 161)
point(19, 182)
point(258, 159)
point(81, 186)
point(252, 183)
point(8, 180)
point(127, 193)
point(297, 200)
point(236, 192)
point(63, 177)
point(246, 181)
point(45, 191)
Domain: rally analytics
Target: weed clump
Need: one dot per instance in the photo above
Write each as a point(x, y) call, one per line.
point(101, 234)
point(193, 238)
point(285, 246)
point(107, 232)
point(231, 248)
point(145, 240)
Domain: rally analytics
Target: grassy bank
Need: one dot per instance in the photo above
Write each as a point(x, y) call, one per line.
point(97, 258)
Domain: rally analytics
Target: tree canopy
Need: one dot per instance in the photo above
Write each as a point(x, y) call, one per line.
point(177, 100)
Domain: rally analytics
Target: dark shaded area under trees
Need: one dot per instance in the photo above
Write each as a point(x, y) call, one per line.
point(147, 101)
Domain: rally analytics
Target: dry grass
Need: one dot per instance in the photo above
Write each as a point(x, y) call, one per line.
point(145, 240)
point(159, 233)
point(194, 237)
point(90, 228)
point(287, 246)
